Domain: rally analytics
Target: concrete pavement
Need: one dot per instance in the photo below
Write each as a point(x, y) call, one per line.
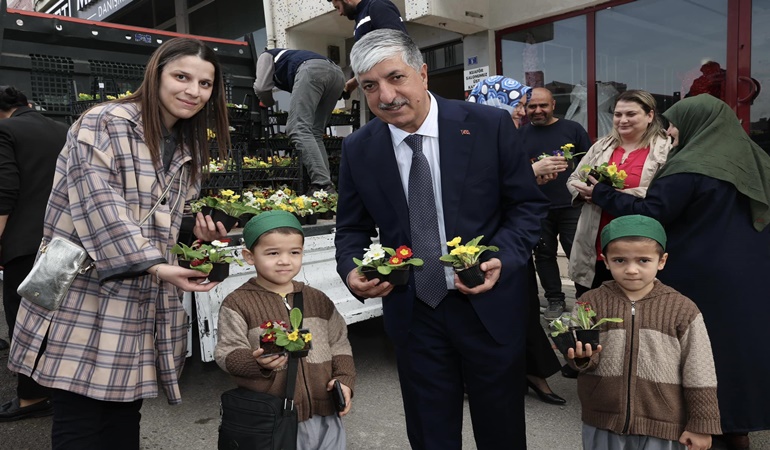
point(376, 421)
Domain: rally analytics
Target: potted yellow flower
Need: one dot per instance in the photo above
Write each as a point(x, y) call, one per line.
point(276, 337)
point(225, 208)
point(465, 259)
point(605, 173)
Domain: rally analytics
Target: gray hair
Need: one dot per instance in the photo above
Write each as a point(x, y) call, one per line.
point(379, 45)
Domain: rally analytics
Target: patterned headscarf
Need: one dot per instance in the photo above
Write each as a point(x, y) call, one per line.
point(500, 92)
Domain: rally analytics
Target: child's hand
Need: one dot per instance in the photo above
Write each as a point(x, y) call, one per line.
point(695, 441)
point(346, 392)
point(580, 352)
point(271, 362)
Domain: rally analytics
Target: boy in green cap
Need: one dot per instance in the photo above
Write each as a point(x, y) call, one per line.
point(274, 243)
point(652, 386)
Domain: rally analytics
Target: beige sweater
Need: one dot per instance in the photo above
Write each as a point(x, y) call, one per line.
point(655, 375)
point(240, 316)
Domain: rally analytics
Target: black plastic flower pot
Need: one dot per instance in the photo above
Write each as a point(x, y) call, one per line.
point(328, 215)
point(312, 219)
point(398, 277)
point(588, 337)
point(220, 216)
point(564, 342)
point(219, 272)
point(472, 276)
point(271, 348)
point(243, 219)
point(184, 263)
point(372, 274)
point(302, 219)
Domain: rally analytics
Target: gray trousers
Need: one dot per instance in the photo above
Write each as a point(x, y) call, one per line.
point(321, 433)
point(598, 439)
point(318, 85)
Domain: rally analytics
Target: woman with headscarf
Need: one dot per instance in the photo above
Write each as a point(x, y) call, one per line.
point(512, 96)
point(713, 198)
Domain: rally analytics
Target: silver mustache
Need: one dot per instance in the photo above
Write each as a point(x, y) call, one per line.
point(393, 105)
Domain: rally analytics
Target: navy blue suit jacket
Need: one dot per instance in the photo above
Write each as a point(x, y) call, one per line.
point(488, 189)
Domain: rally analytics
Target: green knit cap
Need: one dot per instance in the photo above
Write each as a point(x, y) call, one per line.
point(636, 225)
point(266, 221)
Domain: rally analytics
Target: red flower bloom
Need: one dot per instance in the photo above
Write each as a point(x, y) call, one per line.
point(196, 262)
point(266, 324)
point(394, 260)
point(404, 252)
point(269, 337)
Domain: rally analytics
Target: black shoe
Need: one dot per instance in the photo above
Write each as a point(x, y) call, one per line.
point(546, 397)
point(4, 344)
point(10, 411)
point(555, 309)
point(568, 372)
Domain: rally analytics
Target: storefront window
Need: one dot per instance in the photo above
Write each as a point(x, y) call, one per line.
point(670, 48)
point(759, 84)
point(552, 55)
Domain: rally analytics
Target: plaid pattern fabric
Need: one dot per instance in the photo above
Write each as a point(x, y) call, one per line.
point(117, 334)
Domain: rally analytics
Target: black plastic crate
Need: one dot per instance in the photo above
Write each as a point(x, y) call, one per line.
point(333, 143)
point(279, 143)
point(81, 106)
point(256, 175)
point(343, 120)
point(238, 114)
point(278, 118)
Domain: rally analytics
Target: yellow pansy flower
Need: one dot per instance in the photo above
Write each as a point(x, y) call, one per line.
point(612, 169)
point(293, 336)
point(454, 242)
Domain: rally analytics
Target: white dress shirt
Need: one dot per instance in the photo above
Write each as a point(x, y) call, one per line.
point(429, 132)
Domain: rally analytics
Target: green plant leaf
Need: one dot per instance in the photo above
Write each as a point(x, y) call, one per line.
point(385, 270)
point(295, 317)
point(607, 319)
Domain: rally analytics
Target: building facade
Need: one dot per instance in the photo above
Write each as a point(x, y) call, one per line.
point(586, 52)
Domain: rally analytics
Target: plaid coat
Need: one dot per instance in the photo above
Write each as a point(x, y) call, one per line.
point(118, 334)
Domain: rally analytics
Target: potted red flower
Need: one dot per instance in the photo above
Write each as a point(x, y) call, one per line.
point(387, 264)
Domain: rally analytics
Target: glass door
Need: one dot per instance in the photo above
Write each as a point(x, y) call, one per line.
point(753, 96)
point(670, 48)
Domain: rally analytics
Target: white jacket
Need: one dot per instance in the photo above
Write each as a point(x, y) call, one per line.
point(582, 261)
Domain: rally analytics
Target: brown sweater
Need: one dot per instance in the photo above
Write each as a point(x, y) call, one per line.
point(655, 375)
point(240, 316)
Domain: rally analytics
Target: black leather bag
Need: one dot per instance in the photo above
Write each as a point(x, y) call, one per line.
point(253, 420)
point(257, 421)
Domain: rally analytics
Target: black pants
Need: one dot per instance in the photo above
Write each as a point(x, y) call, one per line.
point(541, 359)
point(14, 273)
point(560, 224)
point(84, 423)
point(602, 274)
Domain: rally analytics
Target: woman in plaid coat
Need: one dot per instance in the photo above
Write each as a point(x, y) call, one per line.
point(121, 330)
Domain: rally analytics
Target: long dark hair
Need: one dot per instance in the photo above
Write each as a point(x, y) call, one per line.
point(193, 130)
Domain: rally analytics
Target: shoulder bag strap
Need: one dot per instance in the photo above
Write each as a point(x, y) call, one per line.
point(291, 374)
point(165, 193)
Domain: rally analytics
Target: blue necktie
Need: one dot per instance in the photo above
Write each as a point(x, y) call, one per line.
point(429, 279)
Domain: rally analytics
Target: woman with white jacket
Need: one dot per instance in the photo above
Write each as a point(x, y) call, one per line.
point(639, 146)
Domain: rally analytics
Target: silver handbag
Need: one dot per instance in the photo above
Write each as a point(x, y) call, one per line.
point(60, 261)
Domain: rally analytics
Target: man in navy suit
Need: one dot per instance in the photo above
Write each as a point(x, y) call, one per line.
point(482, 184)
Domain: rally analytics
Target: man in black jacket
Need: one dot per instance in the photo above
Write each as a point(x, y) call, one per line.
point(29, 147)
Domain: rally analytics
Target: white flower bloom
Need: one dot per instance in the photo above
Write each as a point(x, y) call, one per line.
point(367, 260)
point(218, 244)
point(320, 194)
